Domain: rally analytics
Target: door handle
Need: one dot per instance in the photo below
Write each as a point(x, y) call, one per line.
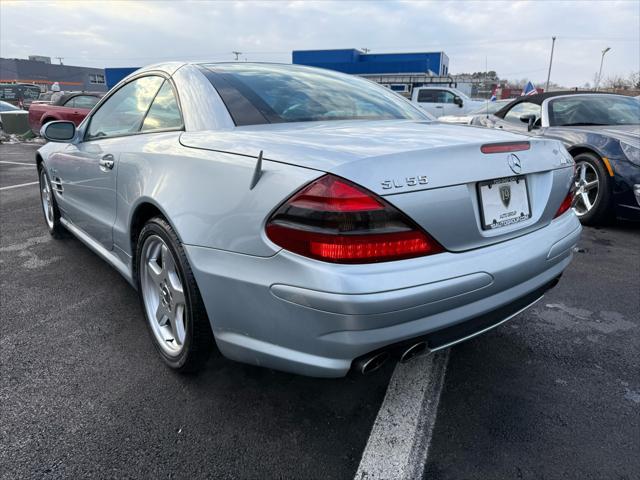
point(107, 162)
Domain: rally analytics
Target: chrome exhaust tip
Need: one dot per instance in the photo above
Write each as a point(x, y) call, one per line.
point(372, 363)
point(413, 351)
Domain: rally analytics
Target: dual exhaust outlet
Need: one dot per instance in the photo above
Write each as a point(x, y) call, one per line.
point(371, 363)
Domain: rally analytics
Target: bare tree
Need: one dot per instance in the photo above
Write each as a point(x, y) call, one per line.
point(616, 82)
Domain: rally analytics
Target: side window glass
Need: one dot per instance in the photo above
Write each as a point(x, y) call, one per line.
point(438, 96)
point(164, 112)
point(71, 103)
point(123, 112)
point(435, 96)
point(447, 97)
point(427, 96)
point(524, 108)
point(85, 101)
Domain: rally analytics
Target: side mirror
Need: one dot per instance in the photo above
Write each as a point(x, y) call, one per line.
point(58, 131)
point(530, 120)
point(458, 101)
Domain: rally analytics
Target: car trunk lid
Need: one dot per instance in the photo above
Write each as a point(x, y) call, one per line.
point(429, 171)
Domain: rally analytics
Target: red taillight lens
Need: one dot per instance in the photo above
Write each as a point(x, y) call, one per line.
point(332, 195)
point(505, 147)
point(337, 221)
point(566, 204)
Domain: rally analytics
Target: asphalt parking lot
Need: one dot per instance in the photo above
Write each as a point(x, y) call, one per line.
point(555, 393)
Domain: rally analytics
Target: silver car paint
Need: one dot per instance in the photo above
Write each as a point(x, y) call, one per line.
point(290, 313)
point(274, 308)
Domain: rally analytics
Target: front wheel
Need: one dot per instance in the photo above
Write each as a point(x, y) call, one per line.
point(592, 190)
point(172, 304)
point(49, 205)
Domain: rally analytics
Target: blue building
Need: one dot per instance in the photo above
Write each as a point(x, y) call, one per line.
point(114, 75)
point(357, 62)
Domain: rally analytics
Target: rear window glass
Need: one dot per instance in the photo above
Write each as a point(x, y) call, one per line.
point(258, 94)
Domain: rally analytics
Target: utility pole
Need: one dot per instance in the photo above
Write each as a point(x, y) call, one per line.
point(237, 54)
point(601, 62)
point(60, 59)
point(553, 43)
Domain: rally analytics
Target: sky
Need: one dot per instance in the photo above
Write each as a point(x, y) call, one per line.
point(511, 37)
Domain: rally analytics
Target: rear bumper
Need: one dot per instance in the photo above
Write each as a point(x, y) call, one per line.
point(313, 318)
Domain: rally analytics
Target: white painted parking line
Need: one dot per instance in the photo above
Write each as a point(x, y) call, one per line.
point(399, 441)
point(18, 163)
point(17, 186)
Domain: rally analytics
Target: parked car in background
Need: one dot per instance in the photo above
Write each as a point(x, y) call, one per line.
point(306, 220)
point(19, 94)
point(602, 133)
point(12, 119)
point(45, 97)
point(9, 107)
point(72, 106)
point(439, 101)
point(488, 108)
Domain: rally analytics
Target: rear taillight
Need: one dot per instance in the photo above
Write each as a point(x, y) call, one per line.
point(566, 204)
point(334, 220)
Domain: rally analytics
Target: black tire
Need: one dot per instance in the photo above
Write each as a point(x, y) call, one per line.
point(54, 226)
point(199, 342)
point(600, 212)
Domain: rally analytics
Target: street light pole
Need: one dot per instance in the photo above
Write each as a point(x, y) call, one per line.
point(553, 42)
point(601, 62)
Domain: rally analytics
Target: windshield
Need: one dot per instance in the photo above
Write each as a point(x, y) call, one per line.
point(261, 93)
point(489, 107)
point(594, 110)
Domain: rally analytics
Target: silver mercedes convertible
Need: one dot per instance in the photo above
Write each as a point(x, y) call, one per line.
point(306, 220)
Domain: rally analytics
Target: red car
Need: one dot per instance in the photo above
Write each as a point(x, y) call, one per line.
point(71, 106)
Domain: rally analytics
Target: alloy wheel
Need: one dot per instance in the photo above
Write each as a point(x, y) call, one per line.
point(587, 188)
point(163, 295)
point(47, 201)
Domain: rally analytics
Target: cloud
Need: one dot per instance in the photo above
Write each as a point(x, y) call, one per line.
point(514, 38)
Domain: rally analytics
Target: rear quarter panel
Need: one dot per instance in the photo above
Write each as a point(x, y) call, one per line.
point(203, 194)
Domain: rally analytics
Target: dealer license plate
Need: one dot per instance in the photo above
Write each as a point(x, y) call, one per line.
point(504, 201)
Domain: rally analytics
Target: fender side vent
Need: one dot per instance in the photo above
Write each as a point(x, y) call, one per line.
point(56, 184)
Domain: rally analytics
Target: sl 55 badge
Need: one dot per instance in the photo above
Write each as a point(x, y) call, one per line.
point(406, 182)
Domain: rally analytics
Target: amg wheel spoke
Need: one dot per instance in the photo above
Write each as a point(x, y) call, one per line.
point(155, 271)
point(177, 327)
point(161, 315)
point(178, 296)
point(591, 185)
point(585, 200)
point(583, 172)
point(167, 260)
